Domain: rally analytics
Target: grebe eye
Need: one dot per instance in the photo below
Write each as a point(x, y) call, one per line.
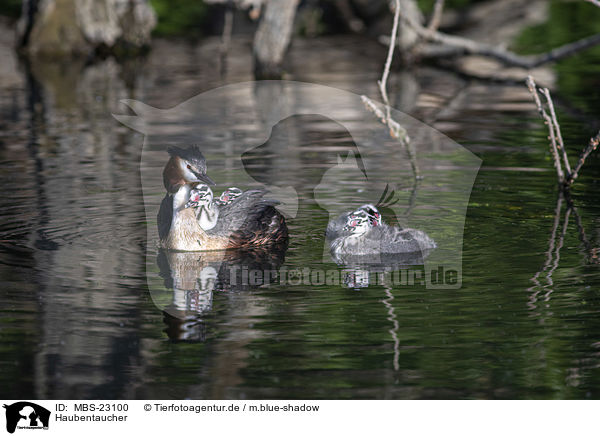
point(189, 167)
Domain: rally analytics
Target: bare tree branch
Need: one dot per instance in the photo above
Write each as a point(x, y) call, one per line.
point(457, 45)
point(547, 120)
point(592, 145)
point(436, 16)
point(554, 132)
point(561, 145)
point(396, 130)
point(388, 63)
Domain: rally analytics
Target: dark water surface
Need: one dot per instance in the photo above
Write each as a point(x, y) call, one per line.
point(78, 318)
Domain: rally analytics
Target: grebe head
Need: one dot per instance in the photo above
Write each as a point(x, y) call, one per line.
point(229, 195)
point(373, 213)
point(200, 196)
point(358, 223)
point(185, 166)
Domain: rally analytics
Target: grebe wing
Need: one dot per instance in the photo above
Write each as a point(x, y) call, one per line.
point(335, 227)
point(243, 212)
point(165, 216)
point(396, 240)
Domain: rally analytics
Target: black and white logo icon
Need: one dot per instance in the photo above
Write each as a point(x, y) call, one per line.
point(26, 415)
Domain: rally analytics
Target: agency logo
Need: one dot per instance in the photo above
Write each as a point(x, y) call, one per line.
point(27, 416)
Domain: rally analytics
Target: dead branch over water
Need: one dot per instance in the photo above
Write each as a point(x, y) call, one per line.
point(592, 145)
point(445, 45)
point(551, 127)
point(566, 176)
point(396, 130)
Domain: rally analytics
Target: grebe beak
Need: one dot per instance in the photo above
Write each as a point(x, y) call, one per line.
point(203, 178)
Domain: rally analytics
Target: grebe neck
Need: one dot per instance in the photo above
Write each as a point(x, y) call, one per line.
point(180, 198)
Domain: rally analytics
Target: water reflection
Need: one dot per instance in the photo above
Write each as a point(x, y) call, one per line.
point(77, 318)
point(193, 278)
point(382, 261)
point(552, 256)
point(361, 271)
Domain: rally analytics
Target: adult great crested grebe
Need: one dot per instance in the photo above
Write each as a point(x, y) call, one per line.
point(362, 235)
point(247, 221)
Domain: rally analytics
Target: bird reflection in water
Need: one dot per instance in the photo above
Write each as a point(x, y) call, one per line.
point(195, 277)
point(363, 271)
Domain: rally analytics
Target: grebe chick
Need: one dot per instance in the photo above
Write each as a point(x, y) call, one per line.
point(360, 237)
point(206, 210)
point(248, 220)
point(336, 228)
point(228, 196)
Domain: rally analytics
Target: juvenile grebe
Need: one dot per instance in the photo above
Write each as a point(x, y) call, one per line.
point(362, 235)
point(335, 228)
point(205, 209)
point(229, 195)
point(247, 220)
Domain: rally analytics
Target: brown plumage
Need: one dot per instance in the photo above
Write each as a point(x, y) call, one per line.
point(265, 228)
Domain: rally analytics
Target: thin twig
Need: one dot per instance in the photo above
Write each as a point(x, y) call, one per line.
point(536, 98)
point(548, 120)
point(561, 145)
point(388, 62)
point(554, 130)
point(396, 130)
point(592, 145)
point(554, 149)
point(436, 16)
